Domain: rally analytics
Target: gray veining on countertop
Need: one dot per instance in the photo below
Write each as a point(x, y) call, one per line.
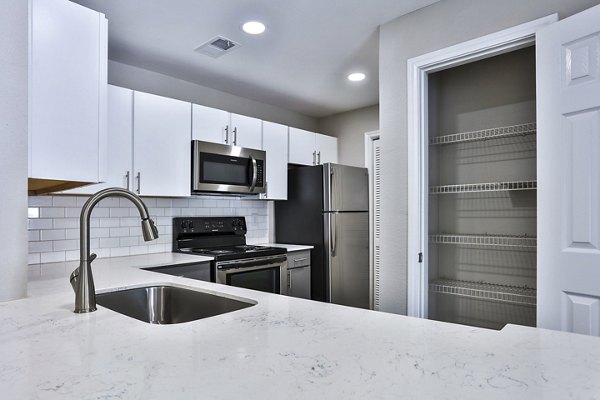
point(281, 348)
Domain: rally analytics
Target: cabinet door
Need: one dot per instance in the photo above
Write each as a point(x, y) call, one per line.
point(246, 131)
point(210, 125)
point(327, 149)
point(67, 91)
point(275, 143)
point(119, 142)
point(299, 282)
point(161, 145)
point(301, 147)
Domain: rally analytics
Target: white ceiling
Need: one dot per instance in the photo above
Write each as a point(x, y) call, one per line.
point(300, 63)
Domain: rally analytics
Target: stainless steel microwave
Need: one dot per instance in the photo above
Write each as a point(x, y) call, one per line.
point(221, 168)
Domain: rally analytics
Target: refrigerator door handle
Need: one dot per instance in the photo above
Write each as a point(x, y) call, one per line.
point(333, 234)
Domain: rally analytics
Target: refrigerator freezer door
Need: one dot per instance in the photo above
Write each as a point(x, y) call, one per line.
point(347, 241)
point(345, 188)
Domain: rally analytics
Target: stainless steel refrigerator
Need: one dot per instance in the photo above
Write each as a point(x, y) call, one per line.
point(328, 208)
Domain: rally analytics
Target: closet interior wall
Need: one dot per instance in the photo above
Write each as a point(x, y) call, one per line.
point(490, 93)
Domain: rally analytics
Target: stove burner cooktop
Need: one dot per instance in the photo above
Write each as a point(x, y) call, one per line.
point(239, 251)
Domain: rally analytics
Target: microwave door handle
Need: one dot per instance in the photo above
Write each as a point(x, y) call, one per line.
point(254, 173)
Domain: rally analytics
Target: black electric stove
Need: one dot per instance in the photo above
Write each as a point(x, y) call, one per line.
point(223, 238)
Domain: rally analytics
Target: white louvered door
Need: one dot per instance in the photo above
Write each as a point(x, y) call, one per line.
point(568, 84)
point(376, 209)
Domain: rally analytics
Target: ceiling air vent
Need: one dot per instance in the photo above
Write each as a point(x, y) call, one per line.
point(217, 46)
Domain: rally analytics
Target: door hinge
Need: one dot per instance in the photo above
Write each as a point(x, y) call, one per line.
point(420, 257)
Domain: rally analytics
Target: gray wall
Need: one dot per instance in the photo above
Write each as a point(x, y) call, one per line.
point(435, 27)
point(13, 149)
point(350, 128)
point(152, 82)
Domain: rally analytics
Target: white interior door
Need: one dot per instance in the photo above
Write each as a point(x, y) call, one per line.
point(568, 85)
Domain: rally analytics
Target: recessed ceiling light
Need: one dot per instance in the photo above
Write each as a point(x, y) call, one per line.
point(356, 77)
point(254, 27)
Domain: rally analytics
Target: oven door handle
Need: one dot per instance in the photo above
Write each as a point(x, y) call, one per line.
point(249, 263)
point(254, 173)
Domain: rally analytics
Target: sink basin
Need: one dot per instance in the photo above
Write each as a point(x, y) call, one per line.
point(166, 304)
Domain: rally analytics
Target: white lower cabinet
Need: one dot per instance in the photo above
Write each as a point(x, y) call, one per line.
point(310, 148)
point(161, 145)
point(275, 143)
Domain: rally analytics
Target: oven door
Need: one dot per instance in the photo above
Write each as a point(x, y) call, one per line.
point(220, 168)
point(266, 274)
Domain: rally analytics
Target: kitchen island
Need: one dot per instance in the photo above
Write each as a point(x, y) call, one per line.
point(280, 348)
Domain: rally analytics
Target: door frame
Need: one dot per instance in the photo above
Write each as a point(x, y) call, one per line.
point(370, 137)
point(418, 69)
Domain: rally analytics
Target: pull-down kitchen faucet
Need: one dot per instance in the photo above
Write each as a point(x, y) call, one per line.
point(82, 279)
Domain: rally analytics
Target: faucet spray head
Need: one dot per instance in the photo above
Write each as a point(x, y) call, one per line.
point(149, 230)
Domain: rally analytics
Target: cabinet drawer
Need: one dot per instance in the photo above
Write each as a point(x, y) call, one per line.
point(298, 259)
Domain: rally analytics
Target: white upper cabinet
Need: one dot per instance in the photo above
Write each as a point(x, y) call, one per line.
point(210, 124)
point(327, 149)
point(309, 148)
point(302, 147)
point(218, 126)
point(161, 145)
point(246, 131)
point(68, 67)
point(275, 143)
point(119, 143)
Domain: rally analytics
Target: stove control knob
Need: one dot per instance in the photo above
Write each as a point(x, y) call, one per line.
point(184, 224)
point(191, 224)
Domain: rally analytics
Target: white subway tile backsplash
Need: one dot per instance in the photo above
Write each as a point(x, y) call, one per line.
point(57, 256)
point(53, 234)
point(65, 223)
point(40, 247)
point(115, 224)
point(39, 223)
point(34, 258)
point(64, 201)
point(119, 212)
point(63, 245)
point(109, 242)
point(119, 251)
point(33, 236)
point(119, 232)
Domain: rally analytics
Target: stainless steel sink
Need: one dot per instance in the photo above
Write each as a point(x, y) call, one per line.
point(166, 304)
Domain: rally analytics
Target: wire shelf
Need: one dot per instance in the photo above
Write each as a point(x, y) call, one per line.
point(486, 134)
point(485, 291)
point(485, 240)
point(483, 187)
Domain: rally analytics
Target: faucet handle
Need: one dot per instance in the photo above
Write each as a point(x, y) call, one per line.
point(92, 257)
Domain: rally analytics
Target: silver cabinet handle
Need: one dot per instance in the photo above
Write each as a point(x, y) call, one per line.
point(297, 260)
point(314, 157)
point(254, 173)
point(235, 136)
point(127, 180)
point(289, 279)
point(226, 134)
point(319, 158)
point(139, 179)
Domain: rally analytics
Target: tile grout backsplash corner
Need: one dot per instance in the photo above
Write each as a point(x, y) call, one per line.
point(115, 229)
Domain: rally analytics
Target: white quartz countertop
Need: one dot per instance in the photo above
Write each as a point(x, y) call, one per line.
point(289, 247)
point(280, 348)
